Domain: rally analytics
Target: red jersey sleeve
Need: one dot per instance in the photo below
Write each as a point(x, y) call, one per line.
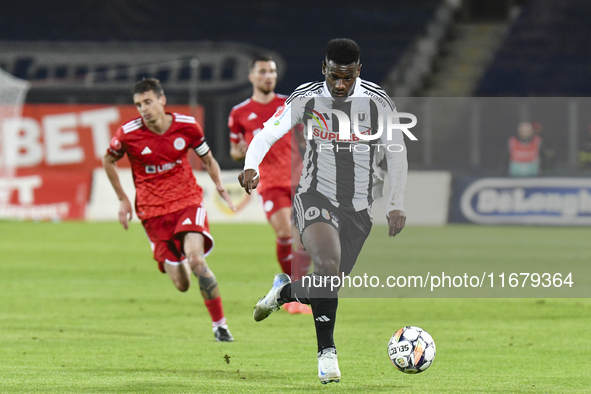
point(198, 142)
point(116, 148)
point(235, 127)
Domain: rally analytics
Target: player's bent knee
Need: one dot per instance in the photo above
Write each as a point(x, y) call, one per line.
point(283, 233)
point(182, 286)
point(179, 274)
point(197, 264)
point(327, 267)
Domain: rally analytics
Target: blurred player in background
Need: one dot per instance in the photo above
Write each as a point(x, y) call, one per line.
point(336, 190)
point(168, 200)
point(277, 185)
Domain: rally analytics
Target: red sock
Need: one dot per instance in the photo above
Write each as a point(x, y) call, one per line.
point(215, 309)
point(284, 255)
point(301, 264)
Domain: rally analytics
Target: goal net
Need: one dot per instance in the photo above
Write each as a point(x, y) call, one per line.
point(12, 97)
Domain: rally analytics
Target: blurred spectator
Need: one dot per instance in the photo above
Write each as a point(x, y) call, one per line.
point(525, 152)
point(585, 152)
point(547, 150)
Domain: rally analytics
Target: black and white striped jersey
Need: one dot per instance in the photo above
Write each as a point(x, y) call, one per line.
point(344, 166)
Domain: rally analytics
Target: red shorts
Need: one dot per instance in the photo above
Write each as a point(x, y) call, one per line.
point(275, 198)
point(166, 233)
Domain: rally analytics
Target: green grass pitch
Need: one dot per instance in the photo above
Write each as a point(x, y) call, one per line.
point(83, 309)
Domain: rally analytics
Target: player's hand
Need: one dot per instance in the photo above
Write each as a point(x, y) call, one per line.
point(224, 194)
point(396, 221)
point(249, 179)
point(125, 212)
point(242, 146)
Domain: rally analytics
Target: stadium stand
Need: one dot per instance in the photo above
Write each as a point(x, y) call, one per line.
point(296, 30)
point(544, 53)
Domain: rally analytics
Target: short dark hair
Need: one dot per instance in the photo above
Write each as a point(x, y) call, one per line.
point(259, 58)
point(343, 51)
point(147, 84)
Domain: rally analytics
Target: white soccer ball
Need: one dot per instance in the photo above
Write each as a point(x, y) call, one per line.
point(411, 349)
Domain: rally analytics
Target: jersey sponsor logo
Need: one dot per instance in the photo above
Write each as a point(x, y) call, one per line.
point(179, 144)
point(146, 151)
point(376, 97)
point(252, 116)
point(318, 118)
point(332, 136)
point(311, 93)
point(280, 110)
point(312, 213)
point(153, 169)
point(187, 222)
point(334, 219)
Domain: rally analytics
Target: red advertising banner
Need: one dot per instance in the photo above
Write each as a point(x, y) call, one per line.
point(45, 195)
point(49, 155)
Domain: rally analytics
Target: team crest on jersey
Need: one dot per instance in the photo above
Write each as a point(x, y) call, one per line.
point(362, 116)
point(179, 144)
point(116, 143)
point(312, 213)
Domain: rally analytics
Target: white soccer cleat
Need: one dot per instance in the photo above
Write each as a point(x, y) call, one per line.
point(328, 366)
point(270, 303)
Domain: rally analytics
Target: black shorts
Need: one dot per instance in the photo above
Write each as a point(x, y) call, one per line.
point(353, 227)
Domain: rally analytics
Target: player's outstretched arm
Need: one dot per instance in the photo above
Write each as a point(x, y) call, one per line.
point(125, 209)
point(396, 221)
point(213, 169)
point(249, 179)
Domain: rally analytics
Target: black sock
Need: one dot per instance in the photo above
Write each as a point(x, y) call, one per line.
point(285, 293)
point(325, 313)
point(324, 302)
point(297, 291)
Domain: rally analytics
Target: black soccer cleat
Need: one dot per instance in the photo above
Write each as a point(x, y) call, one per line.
point(222, 334)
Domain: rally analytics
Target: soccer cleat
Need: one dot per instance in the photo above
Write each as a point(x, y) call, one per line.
point(270, 303)
point(222, 334)
point(328, 366)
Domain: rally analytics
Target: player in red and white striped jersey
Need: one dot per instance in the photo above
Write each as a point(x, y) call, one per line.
point(169, 202)
point(280, 170)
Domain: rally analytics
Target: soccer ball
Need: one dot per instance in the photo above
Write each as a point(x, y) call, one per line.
point(411, 349)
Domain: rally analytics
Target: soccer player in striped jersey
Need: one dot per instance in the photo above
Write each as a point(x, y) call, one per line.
point(341, 178)
point(169, 202)
point(277, 184)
